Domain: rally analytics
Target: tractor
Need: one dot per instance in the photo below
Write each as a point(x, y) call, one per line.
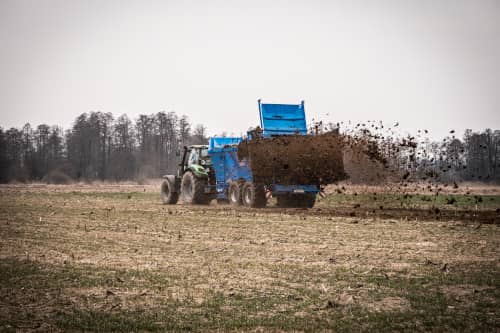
point(193, 179)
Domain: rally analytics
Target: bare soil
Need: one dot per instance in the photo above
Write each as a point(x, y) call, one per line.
point(111, 258)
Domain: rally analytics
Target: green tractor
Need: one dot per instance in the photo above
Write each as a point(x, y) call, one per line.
point(194, 182)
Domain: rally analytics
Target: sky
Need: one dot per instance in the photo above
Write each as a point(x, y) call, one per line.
point(431, 65)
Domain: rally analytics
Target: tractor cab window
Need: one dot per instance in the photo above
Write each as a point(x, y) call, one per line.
point(204, 157)
point(193, 157)
point(198, 156)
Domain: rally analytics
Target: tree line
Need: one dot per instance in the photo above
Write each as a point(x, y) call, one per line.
point(98, 146)
point(475, 157)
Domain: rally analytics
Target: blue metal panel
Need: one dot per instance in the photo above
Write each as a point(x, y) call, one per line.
point(282, 189)
point(223, 152)
point(219, 144)
point(282, 119)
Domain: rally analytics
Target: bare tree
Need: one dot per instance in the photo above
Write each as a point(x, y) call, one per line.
point(123, 163)
point(200, 135)
point(4, 163)
point(184, 131)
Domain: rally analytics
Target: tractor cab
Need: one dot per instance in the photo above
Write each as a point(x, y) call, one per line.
point(196, 159)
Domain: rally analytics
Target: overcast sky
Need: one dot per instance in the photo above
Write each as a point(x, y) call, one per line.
point(425, 64)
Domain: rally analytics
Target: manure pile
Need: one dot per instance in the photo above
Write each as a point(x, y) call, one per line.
point(295, 159)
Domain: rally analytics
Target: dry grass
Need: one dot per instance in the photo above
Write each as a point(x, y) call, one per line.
point(112, 258)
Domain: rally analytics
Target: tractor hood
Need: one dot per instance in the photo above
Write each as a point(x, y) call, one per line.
point(199, 170)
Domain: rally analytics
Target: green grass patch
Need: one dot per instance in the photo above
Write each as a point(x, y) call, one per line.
point(430, 308)
point(394, 200)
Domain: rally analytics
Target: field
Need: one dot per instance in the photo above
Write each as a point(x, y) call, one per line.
point(112, 258)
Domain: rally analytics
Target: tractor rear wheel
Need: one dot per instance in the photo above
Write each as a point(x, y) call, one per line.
point(254, 195)
point(168, 194)
point(234, 193)
point(193, 190)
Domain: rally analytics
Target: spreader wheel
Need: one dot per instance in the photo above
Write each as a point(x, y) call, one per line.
point(234, 193)
point(254, 195)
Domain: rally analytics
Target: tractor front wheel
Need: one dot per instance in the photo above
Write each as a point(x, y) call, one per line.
point(254, 195)
point(193, 190)
point(168, 194)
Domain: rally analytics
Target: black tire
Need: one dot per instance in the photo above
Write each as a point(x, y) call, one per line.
point(168, 194)
point(254, 195)
point(306, 200)
point(234, 193)
point(193, 190)
point(303, 200)
point(283, 201)
point(297, 200)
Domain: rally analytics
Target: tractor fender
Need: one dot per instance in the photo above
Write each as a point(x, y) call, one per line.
point(175, 181)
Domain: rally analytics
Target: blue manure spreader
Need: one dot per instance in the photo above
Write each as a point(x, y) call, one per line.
point(277, 159)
